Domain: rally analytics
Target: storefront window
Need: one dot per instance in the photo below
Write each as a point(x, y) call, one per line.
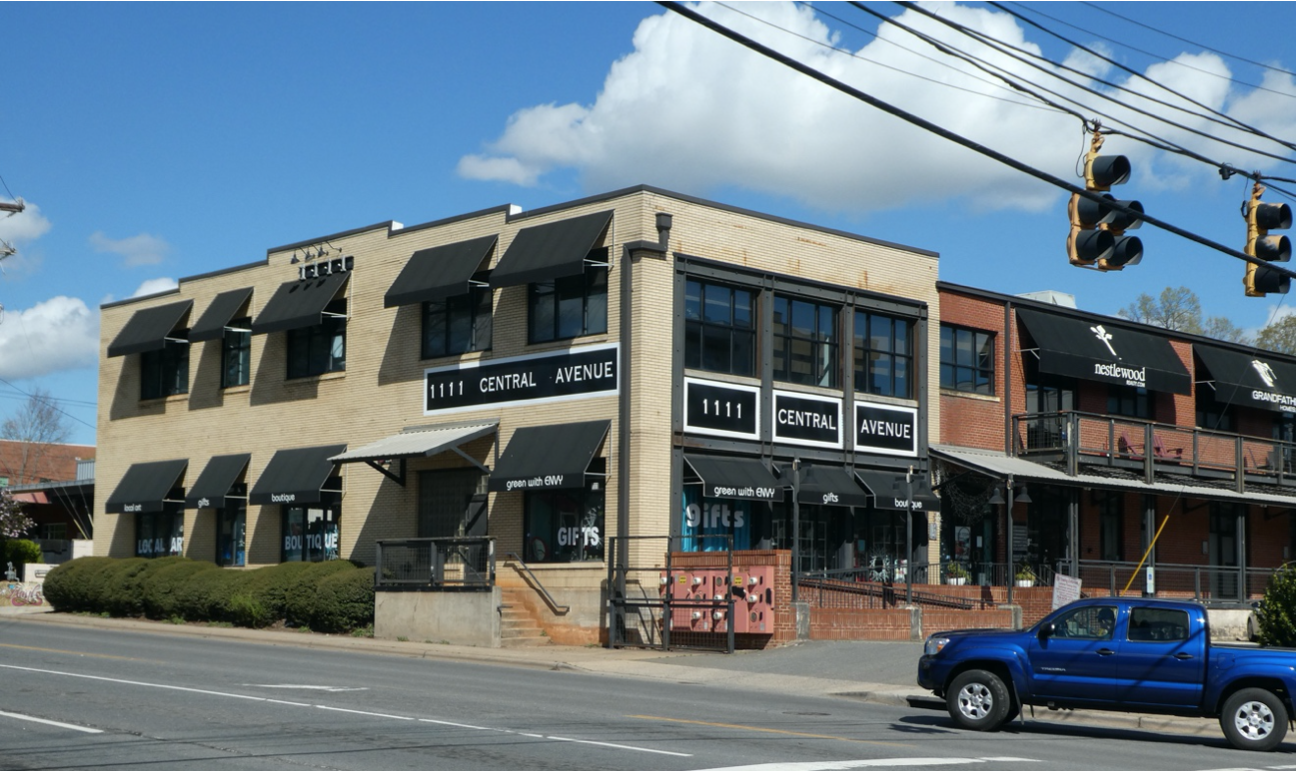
point(1208, 413)
point(564, 525)
point(1131, 402)
point(160, 534)
point(320, 349)
point(457, 324)
point(1111, 525)
point(883, 354)
point(720, 332)
point(165, 371)
point(310, 534)
point(709, 524)
point(806, 342)
point(236, 350)
point(231, 529)
point(968, 360)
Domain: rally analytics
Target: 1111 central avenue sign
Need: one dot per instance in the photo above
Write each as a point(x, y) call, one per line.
point(580, 372)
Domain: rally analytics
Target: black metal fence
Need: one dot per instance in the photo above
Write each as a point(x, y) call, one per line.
point(1209, 584)
point(655, 603)
point(435, 563)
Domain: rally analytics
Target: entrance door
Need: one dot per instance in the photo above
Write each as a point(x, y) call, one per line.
point(1223, 551)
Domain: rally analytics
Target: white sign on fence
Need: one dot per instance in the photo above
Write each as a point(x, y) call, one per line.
point(1067, 589)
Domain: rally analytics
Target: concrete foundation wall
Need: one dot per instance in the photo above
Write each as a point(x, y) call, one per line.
point(453, 617)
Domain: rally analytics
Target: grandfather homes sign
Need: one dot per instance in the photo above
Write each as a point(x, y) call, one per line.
point(580, 372)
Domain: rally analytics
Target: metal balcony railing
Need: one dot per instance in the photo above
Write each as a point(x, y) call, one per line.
point(1098, 439)
point(435, 563)
point(1208, 584)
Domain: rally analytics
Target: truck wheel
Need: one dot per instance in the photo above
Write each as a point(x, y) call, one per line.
point(1254, 719)
point(978, 700)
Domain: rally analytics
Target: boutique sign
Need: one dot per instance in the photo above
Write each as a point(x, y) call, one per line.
point(807, 420)
point(580, 372)
point(885, 429)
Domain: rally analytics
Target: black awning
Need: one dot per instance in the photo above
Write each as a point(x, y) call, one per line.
point(541, 253)
point(1248, 380)
point(548, 457)
point(828, 485)
point(1103, 352)
point(295, 476)
point(735, 477)
point(219, 313)
point(145, 486)
point(889, 490)
point(439, 272)
point(148, 329)
point(216, 480)
point(298, 304)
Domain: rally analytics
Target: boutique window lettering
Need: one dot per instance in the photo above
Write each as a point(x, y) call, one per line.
point(310, 534)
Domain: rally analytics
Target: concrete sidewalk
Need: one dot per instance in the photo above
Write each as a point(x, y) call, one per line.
point(876, 672)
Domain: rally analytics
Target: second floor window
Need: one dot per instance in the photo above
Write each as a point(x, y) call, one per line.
point(1131, 402)
point(806, 342)
point(457, 324)
point(320, 349)
point(720, 333)
point(884, 355)
point(568, 306)
point(236, 351)
point(1208, 413)
point(968, 360)
point(165, 371)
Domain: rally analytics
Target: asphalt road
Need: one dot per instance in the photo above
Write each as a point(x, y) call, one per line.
point(75, 698)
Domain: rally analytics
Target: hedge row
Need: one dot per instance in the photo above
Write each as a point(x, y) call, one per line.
point(329, 597)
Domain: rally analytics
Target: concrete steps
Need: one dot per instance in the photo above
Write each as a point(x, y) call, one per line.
point(518, 629)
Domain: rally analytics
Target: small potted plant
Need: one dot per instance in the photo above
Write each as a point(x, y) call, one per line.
point(1024, 576)
point(956, 574)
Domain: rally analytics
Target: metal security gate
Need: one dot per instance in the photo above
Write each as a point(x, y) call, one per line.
point(662, 597)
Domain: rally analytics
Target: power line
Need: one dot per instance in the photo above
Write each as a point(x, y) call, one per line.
point(49, 402)
point(892, 110)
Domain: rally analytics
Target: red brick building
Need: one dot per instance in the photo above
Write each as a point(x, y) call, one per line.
point(55, 483)
point(1096, 432)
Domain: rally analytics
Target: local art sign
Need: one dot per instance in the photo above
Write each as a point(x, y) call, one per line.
point(580, 372)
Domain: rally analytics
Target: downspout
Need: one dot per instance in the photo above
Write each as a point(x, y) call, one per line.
point(1009, 392)
point(663, 221)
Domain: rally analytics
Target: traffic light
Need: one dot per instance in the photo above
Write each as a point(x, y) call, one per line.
point(1096, 238)
point(1260, 280)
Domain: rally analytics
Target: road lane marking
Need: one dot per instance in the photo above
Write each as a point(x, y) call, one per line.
point(68, 652)
point(247, 697)
point(779, 731)
point(871, 763)
point(82, 729)
point(328, 688)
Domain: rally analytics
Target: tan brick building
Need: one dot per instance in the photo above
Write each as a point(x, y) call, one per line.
point(637, 363)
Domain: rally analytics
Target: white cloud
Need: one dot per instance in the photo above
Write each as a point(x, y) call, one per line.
point(60, 334)
point(23, 227)
point(159, 285)
point(690, 110)
point(139, 250)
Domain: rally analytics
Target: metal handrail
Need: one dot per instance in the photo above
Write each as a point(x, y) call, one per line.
point(536, 583)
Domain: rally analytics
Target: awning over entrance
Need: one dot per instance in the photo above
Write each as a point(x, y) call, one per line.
point(295, 476)
point(216, 480)
point(298, 304)
point(1069, 346)
point(999, 466)
point(218, 314)
point(418, 442)
point(545, 252)
point(1248, 380)
point(548, 457)
point(828, 485)
point(735, 477)
point(35, 498)
point(145, 486)
point(889, 491)
point(439, 272)
point(148, 329)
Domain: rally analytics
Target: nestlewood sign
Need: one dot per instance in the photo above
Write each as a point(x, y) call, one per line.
point(580, 372)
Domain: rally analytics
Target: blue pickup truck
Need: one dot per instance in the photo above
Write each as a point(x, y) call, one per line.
point(1126, 655)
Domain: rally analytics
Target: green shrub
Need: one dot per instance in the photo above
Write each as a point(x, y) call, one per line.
point(158, 590)
point(300, 597)
point(22, 552)
point(67, 586)
point(120, 592)
point(270, 587)
point(196, 597)
point(245, 609)
point(1275, 614)
point(344, 601)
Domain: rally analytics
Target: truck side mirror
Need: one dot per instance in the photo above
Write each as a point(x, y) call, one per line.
point(1046, 630)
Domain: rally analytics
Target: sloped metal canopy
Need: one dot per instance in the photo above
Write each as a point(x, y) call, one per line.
point(148, 329)
point(549, 251)
point(439, 272)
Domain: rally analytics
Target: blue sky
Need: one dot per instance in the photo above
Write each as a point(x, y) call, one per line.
point(158, 141)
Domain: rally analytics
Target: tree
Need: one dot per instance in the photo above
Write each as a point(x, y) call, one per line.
point(13, 522)
point(38, 425)
point(1278, 336)
point(1176, 309)
point(1275, 614)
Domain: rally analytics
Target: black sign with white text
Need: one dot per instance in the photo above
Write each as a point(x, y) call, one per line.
point(581, 372)
point(884, 429)
point(716, 408)
point(807, 420)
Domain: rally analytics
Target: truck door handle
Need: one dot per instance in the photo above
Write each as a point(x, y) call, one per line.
point(1184, 656)
point(1105, 652)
